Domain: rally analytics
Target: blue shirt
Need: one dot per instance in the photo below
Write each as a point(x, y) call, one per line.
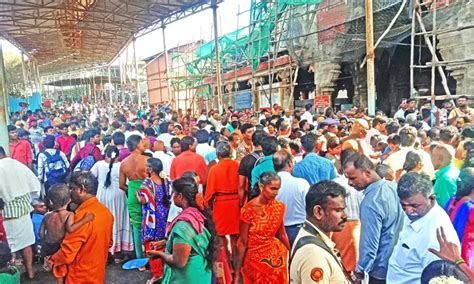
point(265, 165)
point(36, 219)
point(314, 169)
point(382, 219)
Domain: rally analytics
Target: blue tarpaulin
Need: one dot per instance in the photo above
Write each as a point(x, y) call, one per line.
point(34, 102)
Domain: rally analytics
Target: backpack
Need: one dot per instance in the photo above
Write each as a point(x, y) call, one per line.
point(258, 158)
point(87, 163)
point(57, 171)
point(254, 191)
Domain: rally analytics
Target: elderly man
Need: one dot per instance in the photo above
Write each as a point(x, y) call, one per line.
point(408, 136)
point(381, 217)
point(356, 140)
point(292, 193)
point(410, 254)
point(84, 252)
point(18, 184)
point(447, 174)
point(314, 257)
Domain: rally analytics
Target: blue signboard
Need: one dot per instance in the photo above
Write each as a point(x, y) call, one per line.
point(243, 100)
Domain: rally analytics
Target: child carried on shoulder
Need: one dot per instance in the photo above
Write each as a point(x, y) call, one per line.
point(58, 222)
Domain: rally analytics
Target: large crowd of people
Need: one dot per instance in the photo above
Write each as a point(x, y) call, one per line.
point(274, 196)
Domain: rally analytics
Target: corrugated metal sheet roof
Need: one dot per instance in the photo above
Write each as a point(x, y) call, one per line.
point(70, 34)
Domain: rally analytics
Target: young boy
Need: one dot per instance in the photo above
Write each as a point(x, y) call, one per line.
point(8, 273)
point(39, 209)
point(393, 146)
point(58, 221)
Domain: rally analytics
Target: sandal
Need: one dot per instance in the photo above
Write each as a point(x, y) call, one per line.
point(120, 260)
point(153, 280)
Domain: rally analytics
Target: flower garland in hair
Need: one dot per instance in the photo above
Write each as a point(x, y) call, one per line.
point(113, 155)
point(167, 183)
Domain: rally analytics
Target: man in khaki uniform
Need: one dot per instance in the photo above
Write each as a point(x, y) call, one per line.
point(314, 257)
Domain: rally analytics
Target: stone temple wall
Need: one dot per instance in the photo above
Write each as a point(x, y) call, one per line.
point(327, 53)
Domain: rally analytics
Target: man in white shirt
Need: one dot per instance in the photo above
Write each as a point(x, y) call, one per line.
point(307, 114)
point(292, 193)
point(203, 116)
point(164, 157)
point(400, 114)
point(378, 128)
point(410, 255)
point(166, 134)
point(408, 136)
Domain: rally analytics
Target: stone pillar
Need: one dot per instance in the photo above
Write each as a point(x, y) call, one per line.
point(325, 76)
point(359, 77)
point(459, 45)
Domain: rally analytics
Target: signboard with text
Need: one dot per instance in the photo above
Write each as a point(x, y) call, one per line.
point(243, 100)
point(322, 102)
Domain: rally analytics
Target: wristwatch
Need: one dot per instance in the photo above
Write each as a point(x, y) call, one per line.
point(358, 276)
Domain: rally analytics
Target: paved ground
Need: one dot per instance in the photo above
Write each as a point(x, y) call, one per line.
point(115, 274)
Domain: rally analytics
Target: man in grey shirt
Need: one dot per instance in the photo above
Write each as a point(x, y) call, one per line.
point(381, 217)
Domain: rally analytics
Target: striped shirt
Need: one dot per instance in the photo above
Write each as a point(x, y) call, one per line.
point(20, 206)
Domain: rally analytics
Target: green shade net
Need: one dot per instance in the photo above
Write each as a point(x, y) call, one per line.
point(299, 2)
point(245, 46)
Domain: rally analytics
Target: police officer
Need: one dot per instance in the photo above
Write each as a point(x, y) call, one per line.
point(314, 257)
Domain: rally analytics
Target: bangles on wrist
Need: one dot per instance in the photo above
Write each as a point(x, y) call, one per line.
point(459, 261)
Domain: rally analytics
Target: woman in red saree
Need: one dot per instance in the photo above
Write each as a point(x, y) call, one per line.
point(262, 248)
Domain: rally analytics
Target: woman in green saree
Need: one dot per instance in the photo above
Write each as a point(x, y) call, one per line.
point(191, 247)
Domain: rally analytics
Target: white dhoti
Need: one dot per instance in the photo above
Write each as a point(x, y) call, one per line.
point(20, 232)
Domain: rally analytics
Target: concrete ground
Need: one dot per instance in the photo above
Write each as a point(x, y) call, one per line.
point(114, 275)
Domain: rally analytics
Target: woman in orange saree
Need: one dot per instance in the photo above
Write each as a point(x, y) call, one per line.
point(262, 248)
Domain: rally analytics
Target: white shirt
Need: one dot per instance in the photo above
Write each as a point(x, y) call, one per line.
point(165, 159)
point(308, 116)
point(134, 132)
point(399, 114)
point(203, 149)
point(292, 193)
point(166, 138)
point(410, 255)
point(397, 159)
point(202, 117)
point(43, 169)
point(372, 132)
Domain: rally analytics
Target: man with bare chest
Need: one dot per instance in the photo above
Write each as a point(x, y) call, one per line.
point(133, 170)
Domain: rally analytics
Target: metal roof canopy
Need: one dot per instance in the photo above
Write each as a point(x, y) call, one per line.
point(64, 35)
